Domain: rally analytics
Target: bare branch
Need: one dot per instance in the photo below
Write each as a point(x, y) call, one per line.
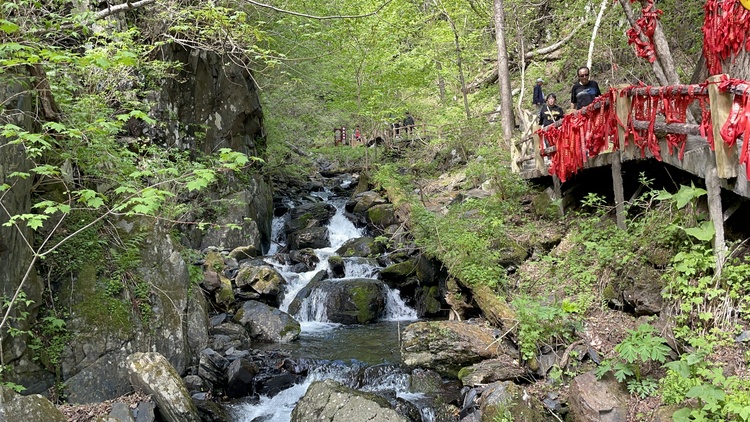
point(120, 7)
point(304, 15)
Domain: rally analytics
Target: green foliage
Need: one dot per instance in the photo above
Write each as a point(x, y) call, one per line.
point(640, 348)
point(694, 378)
point(540, 324)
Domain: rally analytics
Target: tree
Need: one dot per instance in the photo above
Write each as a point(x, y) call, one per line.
point(503, 71)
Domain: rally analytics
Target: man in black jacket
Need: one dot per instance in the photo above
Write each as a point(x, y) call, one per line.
point(585, 90)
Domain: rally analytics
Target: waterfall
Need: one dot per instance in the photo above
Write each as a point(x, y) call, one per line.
point(321, 339)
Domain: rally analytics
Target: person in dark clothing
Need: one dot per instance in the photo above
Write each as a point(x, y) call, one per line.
point(585, 90)
point(538, 99)
point(408, 123)
point(551, 112)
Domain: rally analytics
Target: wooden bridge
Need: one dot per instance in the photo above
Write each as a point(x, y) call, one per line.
point(639, 122)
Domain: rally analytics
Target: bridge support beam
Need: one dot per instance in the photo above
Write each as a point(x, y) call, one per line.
point(713, 187)
point(619, 190)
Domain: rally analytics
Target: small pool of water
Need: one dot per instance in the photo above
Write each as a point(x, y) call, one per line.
point(371, 344)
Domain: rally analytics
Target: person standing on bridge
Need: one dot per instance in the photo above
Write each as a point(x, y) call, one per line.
point(538, 98)
point(409, 124)
point(551, 112)
point(584, 90)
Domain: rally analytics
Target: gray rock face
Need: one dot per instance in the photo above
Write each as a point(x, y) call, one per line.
point(350, 301)
point(252, 210)
point(153, 374)
point(213, 95)
point(104, 342)
point(15, 407)
point(329, 401)
point(597, 400)
point(13, 249)
point(267, 324)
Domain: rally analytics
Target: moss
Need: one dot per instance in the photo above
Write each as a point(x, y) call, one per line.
point(214, 262)
point(465, 372)
point(96, 307)
point(609, 293)
point(432, 304)
point(361, 297)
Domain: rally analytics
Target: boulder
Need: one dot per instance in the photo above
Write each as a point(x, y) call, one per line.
point(268, 324)
point(348, 301)
point(154, 375)
point(508, 401)
point(447, 346)
point(330, 401)
point(594, 400)
point(312, 237)
point(361, 247)
point(15, 407)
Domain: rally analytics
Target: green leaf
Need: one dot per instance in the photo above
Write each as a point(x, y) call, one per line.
point(682, 415)
point(705, 231)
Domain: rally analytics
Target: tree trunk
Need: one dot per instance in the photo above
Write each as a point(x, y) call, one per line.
point(460, 66)
point(441, 81)
point(506, 100)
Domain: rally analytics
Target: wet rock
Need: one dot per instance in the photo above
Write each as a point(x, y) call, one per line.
point(336, 266)
point(350, 301)
point(314, 214)
point(240, 378)
point(212, 367)
point(331, 401)
point(361, 247)
point(313, 237)
point(364, 201)
point(268, 324)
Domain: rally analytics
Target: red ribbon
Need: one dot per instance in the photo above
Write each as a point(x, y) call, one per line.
point(726, 26)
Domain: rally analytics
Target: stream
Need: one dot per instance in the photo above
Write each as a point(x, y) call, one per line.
point(365, 357)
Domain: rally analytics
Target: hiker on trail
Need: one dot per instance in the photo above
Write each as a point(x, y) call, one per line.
point(551, 112)
point(584, 90)
point(409, 123)
point(357, 134)
point(538, 98)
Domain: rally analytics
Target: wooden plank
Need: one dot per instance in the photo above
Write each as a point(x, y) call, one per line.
point(721, 103)
point(538, 160)
point(558, 193)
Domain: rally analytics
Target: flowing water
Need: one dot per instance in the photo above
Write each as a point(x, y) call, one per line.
point(343, 351)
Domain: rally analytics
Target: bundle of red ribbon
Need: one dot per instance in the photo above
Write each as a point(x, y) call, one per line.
point(645, 25)
point(726, 28)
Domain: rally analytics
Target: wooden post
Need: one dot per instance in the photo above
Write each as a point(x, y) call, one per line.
point(619, 190)
point(515, 154)
point(538, 159)
point(623, 104)
point(721, 105)
point(713, 187)
point(558, 193)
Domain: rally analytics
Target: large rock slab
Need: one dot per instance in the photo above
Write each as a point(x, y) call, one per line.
point(447, 346)
point(153, 374)
point(15, 407)
point(329, 401)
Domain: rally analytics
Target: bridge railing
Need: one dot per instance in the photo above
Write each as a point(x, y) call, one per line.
point(631, 119)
